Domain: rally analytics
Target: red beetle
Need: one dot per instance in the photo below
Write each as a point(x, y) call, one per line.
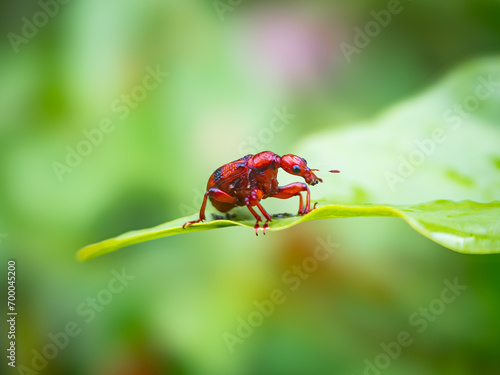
point(244, 182)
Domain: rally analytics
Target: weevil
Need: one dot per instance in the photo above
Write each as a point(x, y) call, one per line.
point(246, 181)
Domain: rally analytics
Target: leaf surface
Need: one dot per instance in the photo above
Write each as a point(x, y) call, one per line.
point(466, 226)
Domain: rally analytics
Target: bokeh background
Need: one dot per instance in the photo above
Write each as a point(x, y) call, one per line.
point(231, 67)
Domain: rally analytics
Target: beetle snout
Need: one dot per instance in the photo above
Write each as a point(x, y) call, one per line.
point(316, 181)
point(312, 179)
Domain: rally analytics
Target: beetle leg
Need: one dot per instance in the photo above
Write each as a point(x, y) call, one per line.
point(255, 215)
point(267, 216)
point(216, 194)
point(291, 190)
point(301, 203)
point(253, 200)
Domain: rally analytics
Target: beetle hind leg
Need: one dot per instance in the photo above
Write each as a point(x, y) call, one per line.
point(218, 195)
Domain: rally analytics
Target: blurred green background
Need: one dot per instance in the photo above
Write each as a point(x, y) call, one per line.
point(231, 67)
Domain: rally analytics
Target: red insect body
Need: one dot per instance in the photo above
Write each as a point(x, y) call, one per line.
point(244, 182)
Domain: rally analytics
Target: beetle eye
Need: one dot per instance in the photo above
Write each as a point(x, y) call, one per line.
point(296, 169)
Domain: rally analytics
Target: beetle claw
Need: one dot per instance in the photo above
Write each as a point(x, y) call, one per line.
point(265, 227)
point(256, 228)
point(188, 223)
point(305, 211)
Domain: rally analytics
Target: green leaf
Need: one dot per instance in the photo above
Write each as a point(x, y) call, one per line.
point(466, 226)
point(441, 144)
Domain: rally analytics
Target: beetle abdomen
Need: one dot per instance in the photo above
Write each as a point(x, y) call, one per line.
point(221, 206)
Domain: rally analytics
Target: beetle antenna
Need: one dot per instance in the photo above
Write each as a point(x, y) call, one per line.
point(334, 171)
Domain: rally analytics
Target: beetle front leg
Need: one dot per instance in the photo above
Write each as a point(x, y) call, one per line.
point(291, 190)
point(218, 195)
point(253, 200)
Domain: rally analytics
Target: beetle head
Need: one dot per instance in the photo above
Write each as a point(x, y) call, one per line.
point(297, 166)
